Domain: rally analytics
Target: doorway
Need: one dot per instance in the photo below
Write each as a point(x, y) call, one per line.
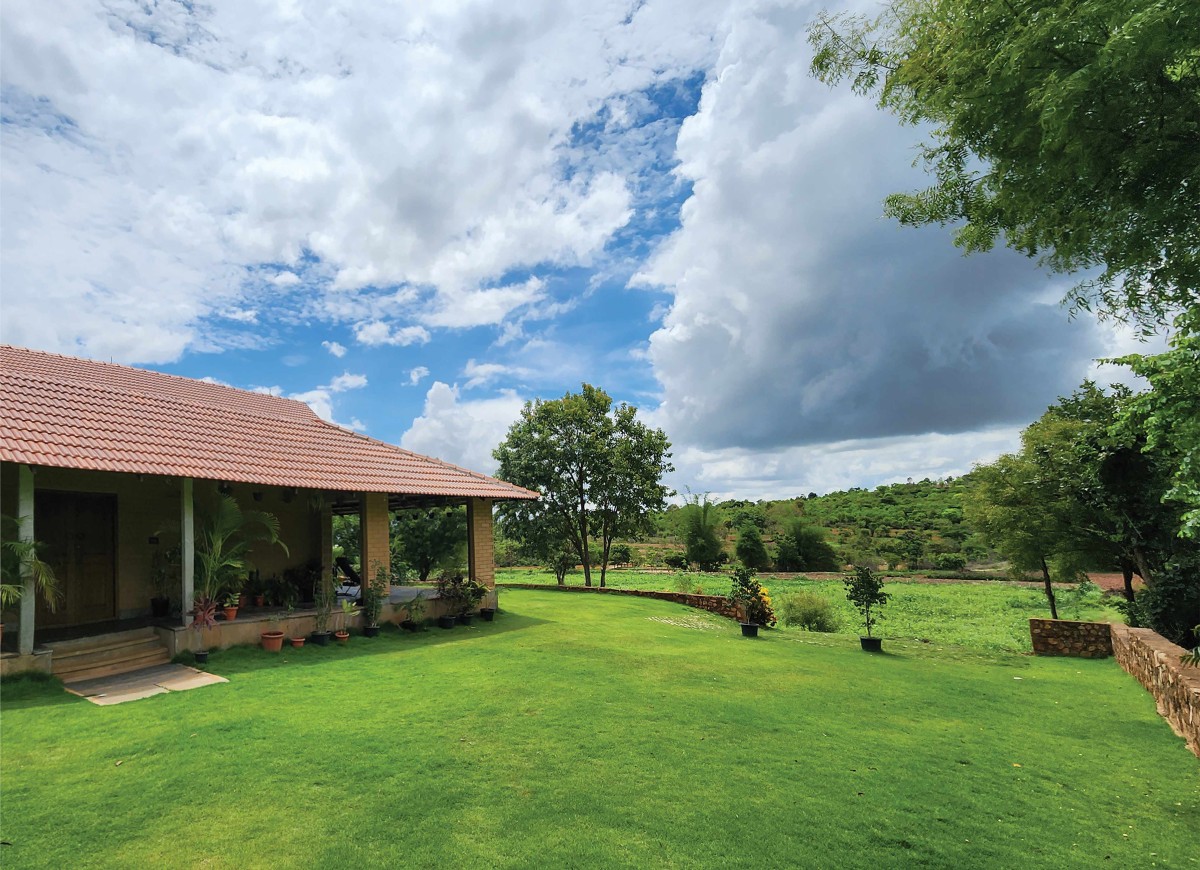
point(79, 530)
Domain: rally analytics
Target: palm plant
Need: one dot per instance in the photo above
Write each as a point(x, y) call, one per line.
point(19, 559)
point(223, 543)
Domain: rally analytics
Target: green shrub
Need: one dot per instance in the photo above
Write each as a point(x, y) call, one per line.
point(949, 561)
point(808, 611)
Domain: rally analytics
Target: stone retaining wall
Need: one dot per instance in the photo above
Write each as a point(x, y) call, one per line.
point(1064, 637)
point(1154, 662)
point(717, 604)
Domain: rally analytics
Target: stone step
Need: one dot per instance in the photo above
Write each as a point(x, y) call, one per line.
point(148, 659)
point(86, 658)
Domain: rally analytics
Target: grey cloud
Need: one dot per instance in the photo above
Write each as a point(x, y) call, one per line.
point(800, 315)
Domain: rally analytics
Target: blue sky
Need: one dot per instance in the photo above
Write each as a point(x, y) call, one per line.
point(416, 219)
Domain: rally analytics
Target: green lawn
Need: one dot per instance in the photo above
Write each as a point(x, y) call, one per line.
point(988, 615)
point(604, 731)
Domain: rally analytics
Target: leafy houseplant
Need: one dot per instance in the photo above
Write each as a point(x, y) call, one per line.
point(373, 595)
point(450, 593)
point(325, 596)
point(232, 602)
point(864, 589)
point(204, 615)
point(223, 544)
point(18, 560)
point(752, 601)
point(164, 578)
point(413, 611)
point(343, 633)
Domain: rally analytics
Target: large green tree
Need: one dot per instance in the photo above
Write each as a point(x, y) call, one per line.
point(1070, 130)
point(598, 468)
point(428, 538)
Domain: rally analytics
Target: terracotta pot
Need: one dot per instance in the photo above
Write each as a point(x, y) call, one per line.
point(231, 613)
point(297, 641)
point(272, 641)
point(260, 600)
point(342, 636)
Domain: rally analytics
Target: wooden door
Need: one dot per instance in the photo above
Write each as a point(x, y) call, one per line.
point(79, 533)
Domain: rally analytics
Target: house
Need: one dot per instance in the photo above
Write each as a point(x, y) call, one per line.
point(106, 464)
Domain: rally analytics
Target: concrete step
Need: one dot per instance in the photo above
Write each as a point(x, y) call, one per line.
point(87, 658)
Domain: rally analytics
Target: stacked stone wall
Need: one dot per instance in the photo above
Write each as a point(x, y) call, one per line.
point(717, 604)
point(1154, 662)
point(1064, 637)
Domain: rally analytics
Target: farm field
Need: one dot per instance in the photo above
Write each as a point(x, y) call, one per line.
point(605, 732)
point(987, 615)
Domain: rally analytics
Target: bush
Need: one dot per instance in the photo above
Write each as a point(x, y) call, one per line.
point(949, 561)
point(620, 554)
point(750, 549)
point(808, 611)
point(678, 561)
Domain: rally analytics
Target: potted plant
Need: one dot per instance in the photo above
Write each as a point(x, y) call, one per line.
point(450, 593)
point(164, 577)
point(324, 596)
point(472, 593)
point(204, 615)
point(18, 560)
point(232, 602)
point(224, 540)
point(751, 601)
point(413, 611)
point(272, 638)
point(343, 632)
point(373, 596)
point(296, 640)
point(864, 589)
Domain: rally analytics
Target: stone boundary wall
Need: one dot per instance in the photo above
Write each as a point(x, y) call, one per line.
point(1154, 662)
point(717, 604)
point(1065, 637)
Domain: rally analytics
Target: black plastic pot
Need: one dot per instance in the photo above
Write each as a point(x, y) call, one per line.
point(871, 644)
point(370, 631)
point(320, 638)
point(487, 614)
point(749, 629)
point(202, 657)
point(408, 625)
point(446, 622)
point(464, 619)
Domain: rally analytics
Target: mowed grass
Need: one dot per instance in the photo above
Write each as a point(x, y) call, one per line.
point(603, 731)
point(987, 615)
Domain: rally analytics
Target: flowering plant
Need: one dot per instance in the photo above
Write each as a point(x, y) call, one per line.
point(751, 597)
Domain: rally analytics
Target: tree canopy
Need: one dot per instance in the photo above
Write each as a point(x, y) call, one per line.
point(425, 539)
point(599, 471)
point(1072, 130)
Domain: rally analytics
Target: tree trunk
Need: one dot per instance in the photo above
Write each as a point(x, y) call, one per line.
point(1049, 589)
point(1127, 573)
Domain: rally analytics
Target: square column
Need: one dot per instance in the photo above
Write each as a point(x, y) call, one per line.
point(187, 548)
point(26, 536)
point(481, 549)
point(374, 526)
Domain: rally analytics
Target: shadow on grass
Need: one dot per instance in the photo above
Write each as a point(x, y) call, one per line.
point(391, 639)
point(23, 691)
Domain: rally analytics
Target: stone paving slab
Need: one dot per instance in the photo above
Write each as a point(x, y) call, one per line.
point(142, 683)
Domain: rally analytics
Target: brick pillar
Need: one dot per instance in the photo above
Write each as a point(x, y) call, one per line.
point(481, 555)
point(373, 531)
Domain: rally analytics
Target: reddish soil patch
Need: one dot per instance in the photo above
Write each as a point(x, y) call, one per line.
point(1114, 582)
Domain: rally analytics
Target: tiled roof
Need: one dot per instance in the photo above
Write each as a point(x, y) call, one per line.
point(73, 413)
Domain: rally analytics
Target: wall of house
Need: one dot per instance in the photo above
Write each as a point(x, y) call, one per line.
point(148, 517)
